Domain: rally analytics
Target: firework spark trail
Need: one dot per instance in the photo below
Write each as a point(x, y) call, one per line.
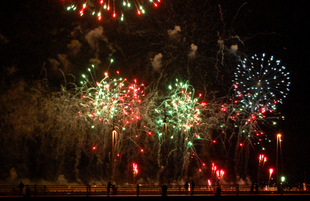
point(181, 122)
point(112, 104)
point(178, 112)
point(259, 85)
point(44, 121)
point(263, 77)
point(165, 124)
point(115, 7)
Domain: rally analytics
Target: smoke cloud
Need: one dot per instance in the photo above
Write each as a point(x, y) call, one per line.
point(93, 36)
point(54, 63)
point(62, 60)
point(14, 179)
point(173, 32)
point(156, 62)
point(74, 47)
point(234, 48)
point(95, 61)
point(3, 39)
point(193, 51)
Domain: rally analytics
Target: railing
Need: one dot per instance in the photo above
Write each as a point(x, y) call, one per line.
point(137, 190)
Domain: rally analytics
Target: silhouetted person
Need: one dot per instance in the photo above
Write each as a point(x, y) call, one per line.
point(138, 186)
point(114, 189)
point(192, 187)
point(218, 191)
point(256, 187)
point(109, 187)
point(27, 191)
point(164, 189)
point(21, 187)
point(186, 185)
point(252, 187)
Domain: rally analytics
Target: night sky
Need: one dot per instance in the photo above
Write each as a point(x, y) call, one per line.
point(33, 31)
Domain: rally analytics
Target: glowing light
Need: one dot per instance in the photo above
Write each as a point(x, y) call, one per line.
point(213, 167)
point(282, 179)
point(177, 116)
point(259, 84)
point(117, 7)
point(271, 171)
point(135, 169)
point(265, 77)
point(110, 103)
point(220, 173)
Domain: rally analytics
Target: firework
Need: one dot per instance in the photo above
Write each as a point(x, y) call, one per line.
point(179, 126)
point(180, 109)
point(262, 78)
point(111, 101)
point(114, 7)
point(111, 107)
point(259, 85)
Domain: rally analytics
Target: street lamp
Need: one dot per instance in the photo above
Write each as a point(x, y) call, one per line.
point(279, 140)
point(114, 137)
point(114, 140)
point(164, 127)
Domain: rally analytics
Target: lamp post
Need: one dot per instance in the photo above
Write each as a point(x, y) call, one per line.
point(163, 152)
point(279, 140)
point(114, 140)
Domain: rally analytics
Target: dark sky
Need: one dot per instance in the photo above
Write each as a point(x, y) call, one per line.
point(289, 20)
point(26, 27)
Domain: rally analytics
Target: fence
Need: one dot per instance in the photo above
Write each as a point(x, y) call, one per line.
point(137, 190)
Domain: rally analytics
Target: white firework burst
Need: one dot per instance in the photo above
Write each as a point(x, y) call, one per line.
point(265, 78)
